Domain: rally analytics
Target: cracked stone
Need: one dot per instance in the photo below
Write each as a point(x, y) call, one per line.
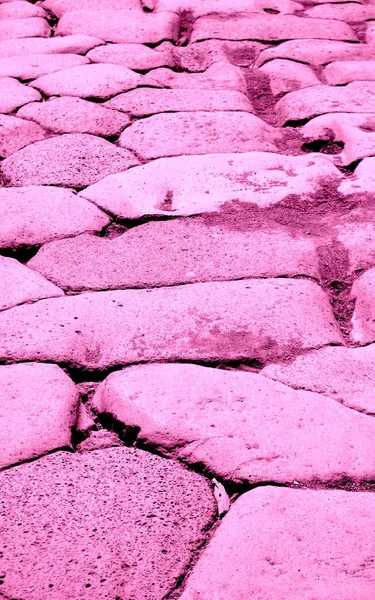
point(287, 76)
point(363, 320)
point(14, 94)
point(16, 133)
point(11, 29)
point(71, 44)
point(133, 56)
point(36, 65)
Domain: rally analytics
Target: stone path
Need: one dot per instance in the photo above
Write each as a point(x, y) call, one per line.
point(187, 338)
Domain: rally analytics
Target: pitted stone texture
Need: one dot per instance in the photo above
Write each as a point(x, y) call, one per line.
point(344, 374)
point(267, 28)
point(178, 251)
point(113, 523)
point(188, 185)
point(363, 320)
point(285, 543)
point(358, 241)
point(133, 56)
point(121, 26)
point(287, 76)
point(351, 12)
point(259, 319)
point(74, 115)
point(16, 133)
point(61, 7)
point(38, 406)
point(201, 55)
point(72, 44)
point(240, 426)
point(370, 34)
point(363, 179)
point(356, 97)
point(29, 67)
point(317, 52)
point(341, 72)
point(99, 81)
point(14, 94)
point(226, 7)
point(20, 10)
point(74, 160)
point(20, 284)
point(147, 101)
point(219, 76)
point(35, 215)
point(198, 133)
point(11, 29)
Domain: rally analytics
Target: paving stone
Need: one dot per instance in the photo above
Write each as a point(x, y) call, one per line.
point(61, 7)
point(241, 426)
point(16, 133)
point(341, 72)
point(14, 94)
point(199, 8)
point(147, 101)
point(38, 214)
point(370, 34)
point(286, 543)
point(188, 185)
point(344, 374)
point(363, 178)
point(358, 242)
point(20, 10)
point(74, 160)
point(30, 67)
point(363, 292)
point(267, 28)
point(351, 12)
point(38, 405)
point(21, 284)
point(72, 44)
point(356, 97)
point(133, 56)
point(99, 81)
point(92, 519)
point(204, 321)
point(220, 75)
point(169, 252)
point(11, 29)
point(317, 52)
point(74, 115)
point(287, 76)
point(201, 55)
point(198, 133)
point(121, 25)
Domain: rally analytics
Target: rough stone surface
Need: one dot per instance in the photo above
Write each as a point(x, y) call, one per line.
point(11, 29)
point(95, 518)
point(16, 133)
point(199, 8)
point(284, 543)
point(317, 52)
point(74, 160)
point(220, 76)
point(38, 406)
point(201, 55)
point(363, 180)
point(363, 320)
point(21, 10)
point(61, 7)
point(133, 56)
point(35, 215)
point(204, 321)
point(287, 76)
point(341, 72)
point(14, 94)
point(72, 44)
point(350, 12)
point(36, 65)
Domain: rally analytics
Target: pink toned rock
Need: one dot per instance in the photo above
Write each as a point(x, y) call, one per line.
point(283, 543)
point(358, 241)
point(287, 76)
point(363, 179)
point(11, 29)
point(344, 374)
point(317, 52)
point(220, 76)
point(85, 421)
point(35, 215)
point(29, 67)
point(21, 10)
point(73, 115)
point(350, 12)
point(20, 284)
point(363, 320)
point(100, 81)
point(16, 133)
point(198, 133)
point(133, 56)
point(147, 101)
point(341, 72)
point(61, 7)
point(121, 26)
point(370, 34)
point(268, 28)
point(241, 426)
point(188, 185)
point(201, 55)
point(179, 251)
point(74, 160)
point(260, 319)
point(110, 523)
point(14, 94)
point(200, 8)
point(72, 44)
point(38, 406)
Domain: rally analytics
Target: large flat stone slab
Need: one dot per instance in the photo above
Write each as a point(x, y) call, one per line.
point(199, 8)
point(188, 185)
point(220, 76)
point(198, 133)
point(14, 94)
point(74, 160)
point(287, 76)
point(72, 44)
point(61, 7)
point(351, 12)
point(299, 544)
point(16, 133)
point(170, 252)
point(133, 56)
point(342, 72)
point(36, 65)
point(38, 214)
point(38, 406)
point(240, 426)
point(11, 29)
point(20, 10)
point(317, 52)
point(363, 320)
point(260, 319)
point(114, 523)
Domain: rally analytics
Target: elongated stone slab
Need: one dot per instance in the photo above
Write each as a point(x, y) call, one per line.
point(220, 75)
point(204, 321)
point(38, 407)
point(20, 10)
point(350, 12)
point(342, 72)
point(287, 76)
point(72, 44)
point(29, 67)
point(14, 94)
point(16, 133)
point(61, 7)
point(133, 56)
point(11, 29)
point(226, 7)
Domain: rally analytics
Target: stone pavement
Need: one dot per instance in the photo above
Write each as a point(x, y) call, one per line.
point(187, 308)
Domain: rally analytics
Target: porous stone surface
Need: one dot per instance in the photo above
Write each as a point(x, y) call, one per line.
point(133, 56)
point(220, 76)
point(11, 29)
point(363, 290)
point(61, 7)
point(317, 52)
point(76, 44)
point(36, 65)
point(16, 133)
point(14, 94)
point(287, 76)
point(19, 9)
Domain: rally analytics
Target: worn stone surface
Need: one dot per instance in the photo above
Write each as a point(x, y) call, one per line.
point(16, 133)
point(36, 65)
point(350, 12)
point(14, 94)
point(203, 321)
point(20, 10)
point(61, 7)
point(11, 29)
point(317, 52)
point(74, 160)
point(72, 44)
point(199, 56)
point(133, 56)
point(363, 179)
point(341, 72)
point(95, 517)
point(287, 76)
point(284, 543)
point(200, 8)
point(220, 76)
point(363, 291)
point(38, 406)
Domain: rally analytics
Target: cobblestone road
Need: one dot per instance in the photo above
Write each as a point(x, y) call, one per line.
point(187, 308)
